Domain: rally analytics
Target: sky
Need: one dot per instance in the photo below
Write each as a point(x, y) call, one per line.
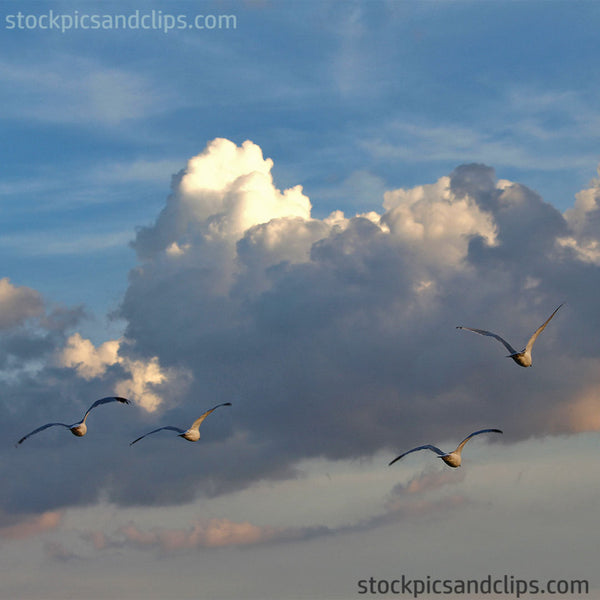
point(292, 211)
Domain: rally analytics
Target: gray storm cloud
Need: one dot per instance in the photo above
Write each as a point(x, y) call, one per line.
point(336, 337)
point(17, 304)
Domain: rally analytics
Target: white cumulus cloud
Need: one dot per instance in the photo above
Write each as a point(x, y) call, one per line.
point(435, 223)
point(90, 362)
point(584, 224)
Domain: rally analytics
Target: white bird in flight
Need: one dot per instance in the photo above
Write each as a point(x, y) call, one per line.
point(452, 459)
point(80, 428)
point(192, 434)
point(522, 358)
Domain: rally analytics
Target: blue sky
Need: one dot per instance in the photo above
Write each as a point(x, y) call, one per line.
point(394, 94)
point(155, 243)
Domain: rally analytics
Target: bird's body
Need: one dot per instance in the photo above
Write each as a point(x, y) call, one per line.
point(192, 434)
point(80, 428)
point(523, 358)
point(452, 459)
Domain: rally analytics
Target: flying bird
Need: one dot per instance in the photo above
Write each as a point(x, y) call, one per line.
point(522, 358)
point(452, 459)
point(192, 434)
point(80, 428)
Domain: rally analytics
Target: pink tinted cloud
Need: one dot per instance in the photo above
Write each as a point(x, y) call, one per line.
point(217, 533)
point(406, 501)
point(213, 533)
point(31, 526)
point(97, 538)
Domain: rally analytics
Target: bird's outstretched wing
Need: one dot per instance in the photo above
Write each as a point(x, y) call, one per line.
point(199, 420)
point(426, 447)
point(494, 335)
point(105, 401)
point(539, 330)
point(41, 429)
point(461, 445)
point(177, 429)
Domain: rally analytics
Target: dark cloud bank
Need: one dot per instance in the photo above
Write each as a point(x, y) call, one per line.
point(332, 338)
